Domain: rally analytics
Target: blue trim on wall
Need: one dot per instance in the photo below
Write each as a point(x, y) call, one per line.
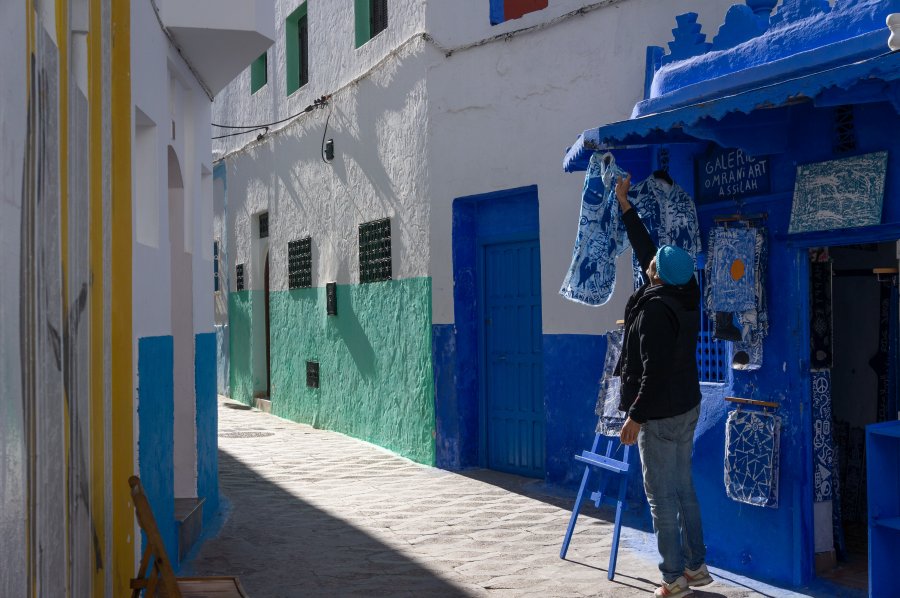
point(156, 441)
point(497, 12)
point(207, 423)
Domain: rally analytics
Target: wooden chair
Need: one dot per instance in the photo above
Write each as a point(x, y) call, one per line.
point(156, 577)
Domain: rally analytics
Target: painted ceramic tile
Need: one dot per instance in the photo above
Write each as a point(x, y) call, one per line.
point(838, 194)
point(752, 446)
point(734, 270)
point(611, 419)
point(823, 446)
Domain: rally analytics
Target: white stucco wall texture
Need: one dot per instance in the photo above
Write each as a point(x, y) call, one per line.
point(420, 128)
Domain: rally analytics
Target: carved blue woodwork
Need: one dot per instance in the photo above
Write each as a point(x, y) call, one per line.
point(688, 40)
point(741, 24)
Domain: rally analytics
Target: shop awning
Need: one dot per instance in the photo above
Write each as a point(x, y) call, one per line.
point(872, 80)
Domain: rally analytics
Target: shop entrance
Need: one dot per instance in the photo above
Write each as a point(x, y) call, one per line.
point(853, 330)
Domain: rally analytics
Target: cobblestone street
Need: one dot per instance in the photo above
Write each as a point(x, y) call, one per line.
point(315, 513)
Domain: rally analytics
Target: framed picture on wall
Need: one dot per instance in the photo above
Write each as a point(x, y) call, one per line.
point(844, 193)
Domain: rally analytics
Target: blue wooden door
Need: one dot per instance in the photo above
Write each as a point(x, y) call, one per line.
point(512, 384)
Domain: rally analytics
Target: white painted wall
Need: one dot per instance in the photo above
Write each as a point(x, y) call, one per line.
point(422, 129)
point(502, 115)
point(166, 95)
point(13, 115)
point(378, 127)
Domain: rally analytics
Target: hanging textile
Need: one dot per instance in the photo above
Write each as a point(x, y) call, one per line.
point(591, 277)
point(823, 445)
point(734, 270)
point(752, 443)
point(884, 361)
point(893, 398)
point(670, 216)
point(610, 419)
point(821, 325)
point(752, 324)
point(666, 210)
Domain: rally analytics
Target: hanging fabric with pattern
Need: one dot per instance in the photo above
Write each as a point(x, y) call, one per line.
point(752, 443)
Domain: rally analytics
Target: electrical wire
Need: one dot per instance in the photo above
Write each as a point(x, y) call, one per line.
point(319, 103)
point(264, 129)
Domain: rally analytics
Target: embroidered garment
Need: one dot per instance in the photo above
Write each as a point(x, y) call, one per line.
point(666, 210)
point(823, 445)
point(734, 270)
point(752, 443)
point(591, 277)
point(611, 419)
point(821, 324)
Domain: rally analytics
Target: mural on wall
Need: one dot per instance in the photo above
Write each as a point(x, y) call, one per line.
point(752, 443)
point(843, 193)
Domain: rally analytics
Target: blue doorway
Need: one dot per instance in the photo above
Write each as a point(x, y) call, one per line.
point(512, 402)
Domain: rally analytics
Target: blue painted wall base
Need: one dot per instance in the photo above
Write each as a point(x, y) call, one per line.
point(207, 423)
point(156, 440)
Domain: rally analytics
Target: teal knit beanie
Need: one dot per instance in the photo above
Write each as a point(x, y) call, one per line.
point(674, 265)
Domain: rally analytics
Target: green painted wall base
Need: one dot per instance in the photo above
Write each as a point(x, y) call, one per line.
point(375, 370)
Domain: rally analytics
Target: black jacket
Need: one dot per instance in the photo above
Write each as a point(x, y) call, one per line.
point(658, 365)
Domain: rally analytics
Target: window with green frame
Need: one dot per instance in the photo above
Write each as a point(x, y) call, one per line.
point(371, 19)
point(259, 73)
point(296, 38)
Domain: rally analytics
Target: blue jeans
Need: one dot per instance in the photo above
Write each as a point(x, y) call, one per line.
point(666, 446)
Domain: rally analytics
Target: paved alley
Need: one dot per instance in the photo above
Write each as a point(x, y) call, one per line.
point(315, 513)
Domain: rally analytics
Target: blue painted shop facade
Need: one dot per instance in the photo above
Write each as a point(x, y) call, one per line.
point(775, 123)
point(748, 123)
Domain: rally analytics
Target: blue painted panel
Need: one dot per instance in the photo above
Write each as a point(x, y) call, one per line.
point(513, 369)
point(156, 440)
point(207, 423)
point(497, 12)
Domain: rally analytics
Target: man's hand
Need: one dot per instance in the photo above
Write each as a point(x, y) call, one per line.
point(622, 187)
point(629, 432)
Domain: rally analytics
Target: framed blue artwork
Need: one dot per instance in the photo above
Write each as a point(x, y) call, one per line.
point(844, 193)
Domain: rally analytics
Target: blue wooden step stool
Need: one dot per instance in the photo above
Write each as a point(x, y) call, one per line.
point(604, 463)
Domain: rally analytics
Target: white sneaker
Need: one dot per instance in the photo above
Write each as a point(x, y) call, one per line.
point(698, 577)
point(676, 589)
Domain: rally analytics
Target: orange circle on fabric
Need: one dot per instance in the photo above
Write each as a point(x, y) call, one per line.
point(737, 269)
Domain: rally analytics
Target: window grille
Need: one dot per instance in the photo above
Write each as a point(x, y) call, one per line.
point(240, 277)
point(300, 263)
point(312, 374)
point(375, 251)
point(713, 356)
point(844, 130)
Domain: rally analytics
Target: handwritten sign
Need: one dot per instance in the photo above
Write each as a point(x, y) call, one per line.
point(728, 173)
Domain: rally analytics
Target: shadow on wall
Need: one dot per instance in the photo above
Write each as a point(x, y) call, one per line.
point(275, 557)
point(348, 326)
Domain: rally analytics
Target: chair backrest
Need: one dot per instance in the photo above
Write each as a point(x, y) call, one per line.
point(155, 575)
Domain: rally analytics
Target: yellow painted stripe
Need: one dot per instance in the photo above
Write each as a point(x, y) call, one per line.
point(122, 377)
point(98, 475)
point(30, 565)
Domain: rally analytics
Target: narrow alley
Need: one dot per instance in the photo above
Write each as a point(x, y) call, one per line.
point(316, 513)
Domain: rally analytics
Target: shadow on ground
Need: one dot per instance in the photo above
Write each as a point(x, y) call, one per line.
point(280, 545)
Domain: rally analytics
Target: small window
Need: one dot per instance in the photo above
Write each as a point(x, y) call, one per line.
point(506, 10)
point(312, 374)
point(216, 266)
point(239, 271)
point(259, 73)
point(712, 354)
point(375, 251)
point(264, 225)
point(371, 19)
point(300, 263)
point(296, 42)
